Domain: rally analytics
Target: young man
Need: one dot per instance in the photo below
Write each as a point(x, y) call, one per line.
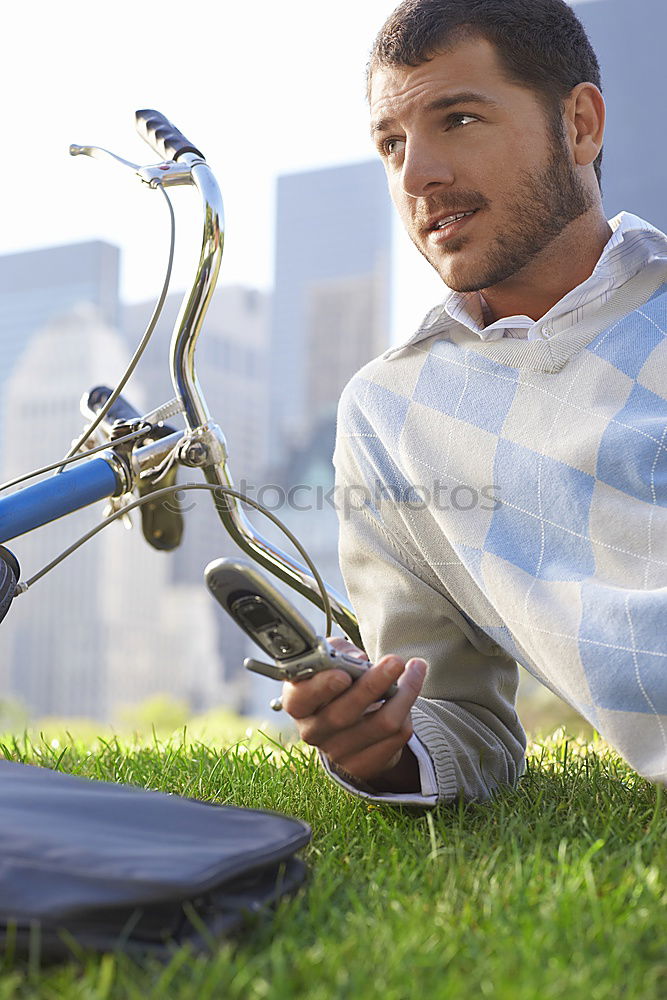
point(510, 459)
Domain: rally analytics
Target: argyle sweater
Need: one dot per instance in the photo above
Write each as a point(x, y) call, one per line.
point(506, 501)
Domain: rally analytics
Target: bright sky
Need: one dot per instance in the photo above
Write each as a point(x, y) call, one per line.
point(262, 87)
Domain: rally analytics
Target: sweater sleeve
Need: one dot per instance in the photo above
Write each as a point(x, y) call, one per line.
point(465, 717)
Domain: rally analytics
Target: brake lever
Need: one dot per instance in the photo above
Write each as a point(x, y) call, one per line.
point(168, 173)
point(98, 153)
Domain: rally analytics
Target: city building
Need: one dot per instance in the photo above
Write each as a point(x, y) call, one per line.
point(104, 628)
point(331, 315)
point(37, 286)
point(332, 293)
point(629, 41)
point(231, 362)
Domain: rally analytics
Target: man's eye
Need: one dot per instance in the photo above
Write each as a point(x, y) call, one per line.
point(460, 119)
point(392, 146)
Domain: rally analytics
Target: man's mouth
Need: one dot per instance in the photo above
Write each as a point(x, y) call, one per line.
point(441, 228)
point(449, 219)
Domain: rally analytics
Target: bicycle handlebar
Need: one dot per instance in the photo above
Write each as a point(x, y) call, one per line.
point(108, 473)
point(163, 137)
point(196, 413)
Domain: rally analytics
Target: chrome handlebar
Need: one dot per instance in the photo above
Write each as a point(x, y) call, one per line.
point(193, 169)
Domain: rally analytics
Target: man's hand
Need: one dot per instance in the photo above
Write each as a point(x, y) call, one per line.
point(362, 737)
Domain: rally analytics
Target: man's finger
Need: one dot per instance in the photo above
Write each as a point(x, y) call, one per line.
point(364, 692)
point(342, 645)
point(340, 713)
point(304, 698)
point(376, 727)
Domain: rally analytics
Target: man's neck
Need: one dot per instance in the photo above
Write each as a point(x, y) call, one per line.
point(567, 262)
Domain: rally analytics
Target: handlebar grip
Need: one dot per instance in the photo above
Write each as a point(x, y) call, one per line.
point(162, 136)
point(120, 408)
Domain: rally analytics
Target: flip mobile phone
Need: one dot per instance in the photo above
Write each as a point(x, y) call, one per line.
point(276, 626)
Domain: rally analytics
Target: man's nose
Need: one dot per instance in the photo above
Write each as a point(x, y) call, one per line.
point(425, 169)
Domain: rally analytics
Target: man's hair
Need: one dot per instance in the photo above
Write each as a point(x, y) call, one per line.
point(542, 44)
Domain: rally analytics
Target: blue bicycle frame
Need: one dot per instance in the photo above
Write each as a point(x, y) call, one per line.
point(36, 505)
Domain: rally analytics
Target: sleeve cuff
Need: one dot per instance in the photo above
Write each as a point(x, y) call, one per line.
point(429, 788)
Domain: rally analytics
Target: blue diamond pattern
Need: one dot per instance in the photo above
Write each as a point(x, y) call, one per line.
point(630, 457)
point(628, 345)
point(542, 545)
point(618, 678)
point(462, 389)
point(378, 425)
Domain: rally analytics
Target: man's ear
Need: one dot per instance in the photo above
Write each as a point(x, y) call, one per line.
point(585, 115)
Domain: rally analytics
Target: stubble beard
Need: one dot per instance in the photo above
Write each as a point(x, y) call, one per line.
point(546, 204)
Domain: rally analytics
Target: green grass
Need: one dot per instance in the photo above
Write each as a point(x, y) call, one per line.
point(556, 889)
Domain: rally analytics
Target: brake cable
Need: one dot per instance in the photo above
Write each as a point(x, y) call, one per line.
point(167, 491)
point(144, 340)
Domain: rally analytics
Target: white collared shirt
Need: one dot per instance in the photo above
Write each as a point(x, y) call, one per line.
point(627, 251)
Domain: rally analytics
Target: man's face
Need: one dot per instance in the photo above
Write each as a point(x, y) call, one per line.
point(457, 137)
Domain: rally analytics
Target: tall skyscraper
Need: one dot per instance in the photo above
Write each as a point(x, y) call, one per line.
point(332, 292)
point(331, 315)
point(629, 41)
point(37, 286)
point(105, 628)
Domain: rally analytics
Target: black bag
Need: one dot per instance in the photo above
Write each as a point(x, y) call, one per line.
point(90, 864)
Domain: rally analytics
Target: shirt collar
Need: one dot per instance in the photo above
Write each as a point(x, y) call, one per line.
point(632, 245)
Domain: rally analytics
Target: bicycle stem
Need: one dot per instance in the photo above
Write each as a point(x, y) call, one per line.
point(187, 389)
